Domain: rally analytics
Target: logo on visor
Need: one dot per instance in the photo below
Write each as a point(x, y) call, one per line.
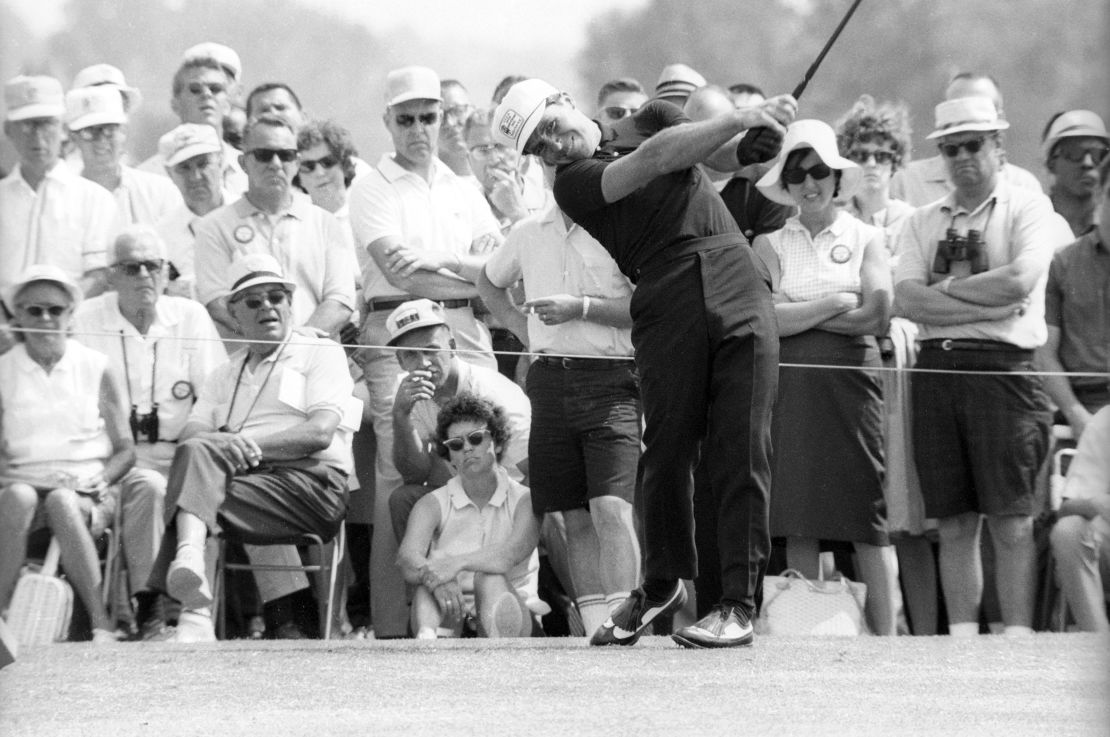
point(511, 124)
point(410, 318)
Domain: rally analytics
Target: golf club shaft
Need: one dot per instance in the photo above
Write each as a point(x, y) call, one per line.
point(821, 57)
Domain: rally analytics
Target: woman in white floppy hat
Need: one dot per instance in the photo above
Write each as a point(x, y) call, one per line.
point(831, 281)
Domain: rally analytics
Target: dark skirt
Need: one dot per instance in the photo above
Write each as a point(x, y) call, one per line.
point(828, 444)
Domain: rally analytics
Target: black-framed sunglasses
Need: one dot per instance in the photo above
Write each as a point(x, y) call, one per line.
point(618, 112)
point(797, 174)
point(38, 311)
point(95, 132)
point(474, 438)
point(1076, 154)
point(133, 268)
point(266, 155)
point(199, 88)
point(860, 156)
point(326, 162)
point(952, 150)
point(406, 120)
point(275, 298)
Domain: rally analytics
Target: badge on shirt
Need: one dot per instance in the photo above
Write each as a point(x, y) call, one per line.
point(244, 234)
point(840, 254)
point(182, 389)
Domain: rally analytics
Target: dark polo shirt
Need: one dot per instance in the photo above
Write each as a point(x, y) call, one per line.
point(1077, 301)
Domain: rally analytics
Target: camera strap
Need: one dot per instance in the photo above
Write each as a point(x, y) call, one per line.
point(127, 372)
point(986, 225)
point(235, 393)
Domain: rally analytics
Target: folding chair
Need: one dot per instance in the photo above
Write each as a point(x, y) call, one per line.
point(1052, 606)
point(325, 561)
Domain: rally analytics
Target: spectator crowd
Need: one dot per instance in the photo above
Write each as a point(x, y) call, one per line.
point(434, 359)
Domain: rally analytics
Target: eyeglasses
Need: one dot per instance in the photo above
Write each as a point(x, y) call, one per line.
point(214, 88)
point(457, 114)
point(952, 150)
point(276, 298)
point(1076, 154)
point(486, 150)
point(96, 132)
point(33, 125)
point(617, 112)
point(406, 120)
point(133, 268)
point(38, 311)
point(266, 155)
point(861, 155)
point(309, 165)
point(797, 175)
point(474, 438)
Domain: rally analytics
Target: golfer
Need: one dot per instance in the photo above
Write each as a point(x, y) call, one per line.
point(703, 328)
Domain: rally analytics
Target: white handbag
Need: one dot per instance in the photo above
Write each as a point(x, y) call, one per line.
point(42, 604)
point(795, 605)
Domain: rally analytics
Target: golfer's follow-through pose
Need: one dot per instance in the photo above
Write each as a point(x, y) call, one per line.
point(703, 329)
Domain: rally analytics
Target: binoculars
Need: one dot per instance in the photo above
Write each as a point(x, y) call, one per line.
point(144, 424)
point(955, 247)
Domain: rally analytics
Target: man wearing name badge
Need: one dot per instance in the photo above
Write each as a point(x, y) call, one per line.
point(428, 232)
point(97, 123)
point(48, 214)
point(204, 87)
point(193, 155)
point(585, 441)
point(972, 274)
point(266, 451)
point(703, 329)
point(163, 347)
point(273, 219)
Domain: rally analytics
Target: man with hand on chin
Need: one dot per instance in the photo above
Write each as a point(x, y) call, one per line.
point(266, 451)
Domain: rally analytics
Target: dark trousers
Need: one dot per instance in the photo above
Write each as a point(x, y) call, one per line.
point(707, 352)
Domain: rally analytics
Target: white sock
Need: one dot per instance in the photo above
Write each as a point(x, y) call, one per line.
point(1017, 630)
point(593, 611)
point(426, 633)
point(996, 628)
point(963, 629)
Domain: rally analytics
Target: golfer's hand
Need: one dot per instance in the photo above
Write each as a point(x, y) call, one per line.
point(766, 124)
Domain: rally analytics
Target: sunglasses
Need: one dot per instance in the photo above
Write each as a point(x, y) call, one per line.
point(474, 438)
point(1077, 154)
point(309, 165)
point(134, 268)
point(860, 156)
point(952, 150)
point(37, 311)
point(266, 155)
point(95, 132)
point(406, 120)
point(617, 112)
point(797, 175)
point(198, 88)
point(276, 298)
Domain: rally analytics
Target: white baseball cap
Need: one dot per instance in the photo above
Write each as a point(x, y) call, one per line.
point(109, 76)
point(411, 83)
point(88, 106)
point(33, 97)
point(225, 56)
point(188, 140)
point(520, 112)
point(1074, 124)
point(413, 315)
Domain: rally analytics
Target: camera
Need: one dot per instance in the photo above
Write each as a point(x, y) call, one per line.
point(954, 247)
point(144, 424)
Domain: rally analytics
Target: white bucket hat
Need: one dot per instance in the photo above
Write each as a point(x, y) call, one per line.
point(109, 76)
point(821, 138)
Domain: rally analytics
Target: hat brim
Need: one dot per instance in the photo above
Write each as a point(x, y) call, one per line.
point(256, 281)
point(195, 149)
point(13, 291)
point(42, 110)
point(1073, 133)
point(87, 121)
point(410, 96)
point(771, 186)
point(428, 322)
point(1001, 125)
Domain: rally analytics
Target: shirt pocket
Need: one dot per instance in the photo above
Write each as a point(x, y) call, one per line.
point(291, 390)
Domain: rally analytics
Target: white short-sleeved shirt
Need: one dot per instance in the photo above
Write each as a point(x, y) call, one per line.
point(1089, 472)
point(304, 375)
point(492, 386)
point(68, 222)
point(554, 260)
point(1017, 225)
point(167, 366)
point(815, 267)
point(464, 528)
point(51, 422)
point(144, 198)
point(444, 216)
point(306, 240)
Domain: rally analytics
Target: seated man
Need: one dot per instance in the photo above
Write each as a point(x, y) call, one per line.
point(1081, 537)
point(465, 521)
point(266, 451)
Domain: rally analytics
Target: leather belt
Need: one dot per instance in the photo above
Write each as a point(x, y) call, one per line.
point(376, 305)
point(968, 344)
point(572, 364)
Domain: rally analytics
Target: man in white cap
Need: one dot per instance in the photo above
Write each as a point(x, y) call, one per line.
point(676, 82)
point(702, 320)
point(48, 214)
point(194, 161)
point(107, 75)
point(1074, 144)
point(97, 123)
point(972, 274)
point(924, 181)
point(204, 88)
point(266, 451)
point(428, 232)
point(272, 218)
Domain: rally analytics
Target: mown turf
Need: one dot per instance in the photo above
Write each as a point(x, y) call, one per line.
point(1048, 685)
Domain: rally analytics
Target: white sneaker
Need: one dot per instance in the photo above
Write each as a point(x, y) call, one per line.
point(194, 627)
point(185, 580)
point(506, 619)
